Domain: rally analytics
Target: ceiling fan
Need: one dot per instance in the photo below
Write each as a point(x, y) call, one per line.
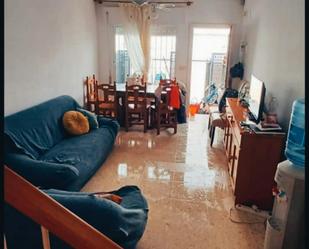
point(162, 4)
point(158, 4)
point(140, 2)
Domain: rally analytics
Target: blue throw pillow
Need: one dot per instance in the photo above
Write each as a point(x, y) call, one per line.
point(92, 118)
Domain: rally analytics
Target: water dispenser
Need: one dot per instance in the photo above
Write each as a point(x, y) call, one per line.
point(285, 228)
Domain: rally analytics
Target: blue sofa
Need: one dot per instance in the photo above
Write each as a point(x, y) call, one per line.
point(38, 148)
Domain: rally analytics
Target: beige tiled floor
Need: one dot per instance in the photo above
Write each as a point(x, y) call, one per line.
point(187, 187)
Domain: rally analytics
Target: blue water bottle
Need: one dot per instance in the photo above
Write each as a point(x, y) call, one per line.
point(295, 145)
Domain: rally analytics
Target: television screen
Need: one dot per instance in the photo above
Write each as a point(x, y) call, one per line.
point(256, 98)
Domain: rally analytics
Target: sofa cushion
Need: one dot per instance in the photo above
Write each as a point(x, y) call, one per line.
point(124, 223)
point(75, 123)
point(92, 118)
point(86, 153)
point(42, 174)
point(37, 129)
point(110, 123)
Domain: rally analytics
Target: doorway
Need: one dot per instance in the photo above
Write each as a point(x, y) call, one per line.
point(209, 57)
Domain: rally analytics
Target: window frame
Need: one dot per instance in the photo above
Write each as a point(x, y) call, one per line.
point(168, 30)
point(172, 63)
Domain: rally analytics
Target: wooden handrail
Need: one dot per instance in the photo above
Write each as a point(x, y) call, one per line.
point(50, 214)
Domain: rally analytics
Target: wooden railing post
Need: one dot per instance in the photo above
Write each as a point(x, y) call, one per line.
point(45, 238)
point(4, 241)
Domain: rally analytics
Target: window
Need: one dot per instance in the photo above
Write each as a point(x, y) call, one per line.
point(122, 60)
point(162, 54)
point(209, 59)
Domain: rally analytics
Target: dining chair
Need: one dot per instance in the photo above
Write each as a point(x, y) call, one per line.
point(106, 104)
point(152, 101)
point(167, 82)
point(219, 120)
point(217, 112)
point(164, 114)
point(90, 96)
point(136, 110)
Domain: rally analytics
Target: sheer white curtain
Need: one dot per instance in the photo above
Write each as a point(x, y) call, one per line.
point(144, 27)
point(137, 36)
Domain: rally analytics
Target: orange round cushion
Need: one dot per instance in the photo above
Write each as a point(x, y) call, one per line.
point(75, 123)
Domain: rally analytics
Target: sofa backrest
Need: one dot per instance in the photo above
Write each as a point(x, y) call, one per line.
point(37, 129)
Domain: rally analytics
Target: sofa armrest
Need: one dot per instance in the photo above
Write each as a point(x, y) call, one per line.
point(40, 173)
point(103, 121)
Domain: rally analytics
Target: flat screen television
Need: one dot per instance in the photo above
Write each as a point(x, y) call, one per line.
point(256, 99)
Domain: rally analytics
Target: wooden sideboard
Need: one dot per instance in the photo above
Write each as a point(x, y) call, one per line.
point(252, 159)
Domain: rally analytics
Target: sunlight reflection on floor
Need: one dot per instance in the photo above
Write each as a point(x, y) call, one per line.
point(186, 184)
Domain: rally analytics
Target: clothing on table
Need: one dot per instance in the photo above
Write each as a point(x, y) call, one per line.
point(174, 97)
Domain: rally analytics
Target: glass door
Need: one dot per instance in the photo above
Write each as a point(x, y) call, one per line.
point(209, 60)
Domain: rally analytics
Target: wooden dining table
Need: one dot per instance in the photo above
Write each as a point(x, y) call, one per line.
point(152, 91)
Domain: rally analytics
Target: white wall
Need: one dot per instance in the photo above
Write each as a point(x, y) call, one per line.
point(274, 32)
point(50, 46)
point(201, 12)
